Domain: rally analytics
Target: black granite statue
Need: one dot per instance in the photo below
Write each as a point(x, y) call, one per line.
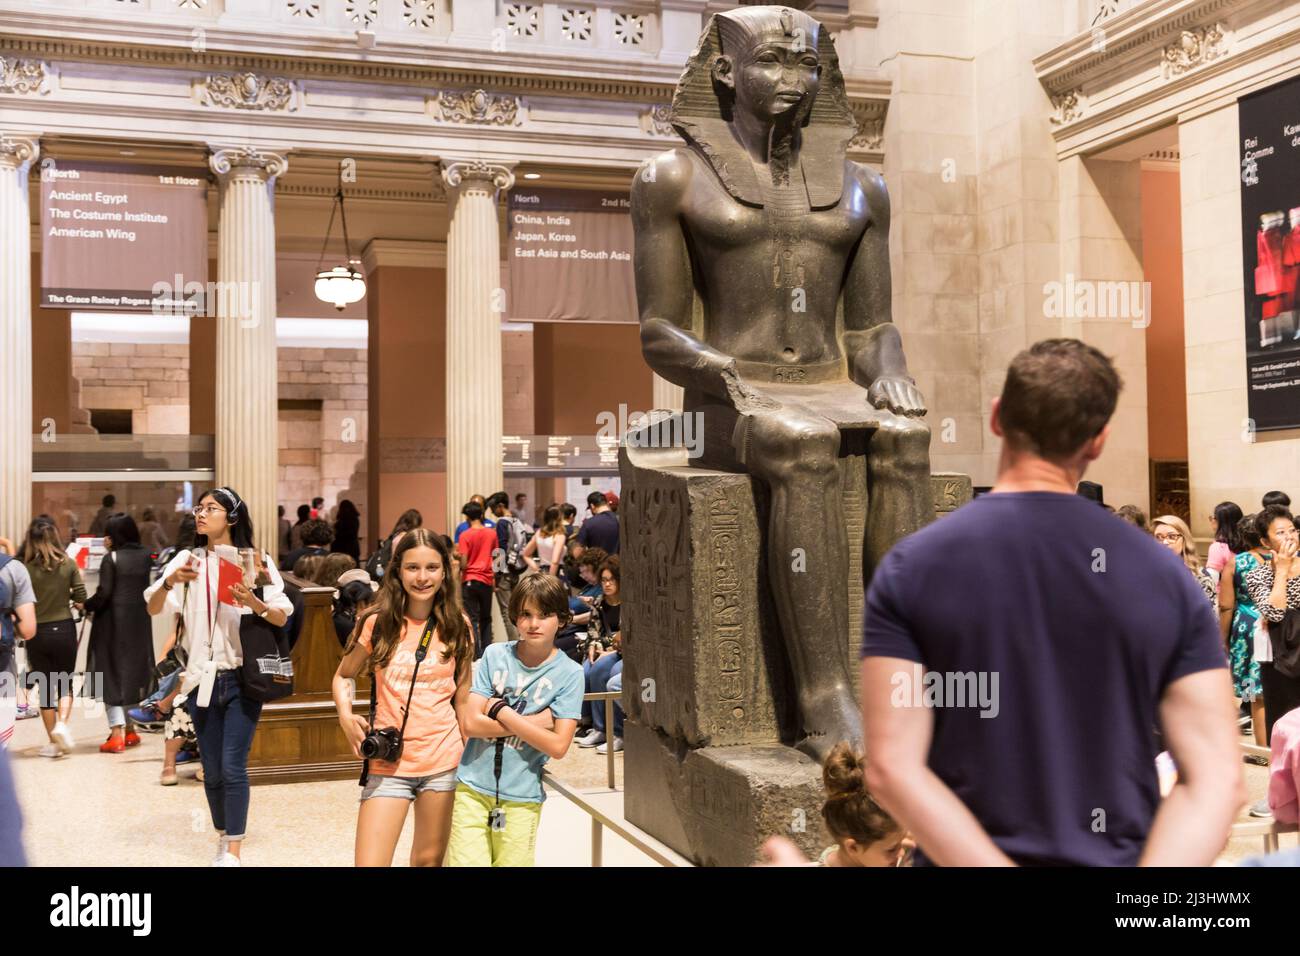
point(762, 275)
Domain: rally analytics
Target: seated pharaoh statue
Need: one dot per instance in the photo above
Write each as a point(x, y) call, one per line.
point(762, 277)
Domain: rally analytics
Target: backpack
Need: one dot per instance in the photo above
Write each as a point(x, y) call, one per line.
point(378, 562)
point(517, 538)
point(6, 612)
point(1285, 639)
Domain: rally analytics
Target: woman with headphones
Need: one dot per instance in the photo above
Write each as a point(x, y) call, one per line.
point(224, 718)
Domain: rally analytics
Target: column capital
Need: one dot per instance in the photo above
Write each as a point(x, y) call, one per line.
point(18, 151)
point(226, 161)
point(458, 172)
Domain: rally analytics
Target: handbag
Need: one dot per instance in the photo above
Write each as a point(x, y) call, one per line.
point(267, 671)
point(174, 659)
point(1285, 639)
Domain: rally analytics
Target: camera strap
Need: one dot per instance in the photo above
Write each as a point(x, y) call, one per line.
point(497, 760)
point(421, 651)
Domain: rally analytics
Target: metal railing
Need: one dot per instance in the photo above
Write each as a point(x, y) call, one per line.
point(599, 819)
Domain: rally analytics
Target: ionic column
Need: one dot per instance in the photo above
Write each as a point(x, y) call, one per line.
point(246, 405)
point(475, 301)
point(666, 394)
point(16, 156)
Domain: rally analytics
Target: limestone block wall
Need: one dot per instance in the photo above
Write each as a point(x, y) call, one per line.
point(151, 379)
point(322, 450)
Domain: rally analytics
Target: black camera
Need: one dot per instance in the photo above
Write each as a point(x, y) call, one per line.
point(383, 745)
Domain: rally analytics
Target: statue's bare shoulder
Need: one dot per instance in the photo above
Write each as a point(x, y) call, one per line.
point(661, 184)
point(873, 188)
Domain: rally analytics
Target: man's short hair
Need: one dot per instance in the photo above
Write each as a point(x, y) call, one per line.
point(547, 592)
point(596, 499)
point(108, 501)
point(500, 499)
point(1059, 394)
point(473, 511)
point(317, 532)
point(1276, 498)
point(569, 511)
point(317, 502)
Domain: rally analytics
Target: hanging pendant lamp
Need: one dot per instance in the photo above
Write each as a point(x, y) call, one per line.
point(344, 284)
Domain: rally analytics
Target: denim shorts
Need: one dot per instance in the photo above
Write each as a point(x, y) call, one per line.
point(408, 788)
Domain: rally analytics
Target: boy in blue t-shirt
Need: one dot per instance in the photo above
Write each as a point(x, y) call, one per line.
point(523, 709)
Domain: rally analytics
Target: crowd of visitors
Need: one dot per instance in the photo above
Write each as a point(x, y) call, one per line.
point(1115, 648)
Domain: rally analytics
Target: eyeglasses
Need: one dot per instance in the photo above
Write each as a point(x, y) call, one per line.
point(209, 510)
point(1172, 536)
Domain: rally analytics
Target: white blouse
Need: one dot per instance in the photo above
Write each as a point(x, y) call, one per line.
point(212, 628)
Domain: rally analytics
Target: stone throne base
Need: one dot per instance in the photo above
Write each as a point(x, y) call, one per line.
point(709, 767)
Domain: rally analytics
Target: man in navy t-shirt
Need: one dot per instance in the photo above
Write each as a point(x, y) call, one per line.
point(601, 529)
point(1021, 655)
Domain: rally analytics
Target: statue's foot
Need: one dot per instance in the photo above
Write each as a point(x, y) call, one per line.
point(833, 717)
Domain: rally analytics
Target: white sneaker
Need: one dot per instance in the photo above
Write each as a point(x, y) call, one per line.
point(1260, 809)
point(62, 737)
point(604, 748)
point(49, 750)
point(223, 850)
point(593, 738)
point(227, 859)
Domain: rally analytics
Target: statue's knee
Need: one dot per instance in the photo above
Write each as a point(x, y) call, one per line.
point(801, 447)
point(902, 442)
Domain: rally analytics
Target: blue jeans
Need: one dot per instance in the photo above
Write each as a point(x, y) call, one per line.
point(225, 731)
point(601, 678)
point(165, 687)
point(594, 677)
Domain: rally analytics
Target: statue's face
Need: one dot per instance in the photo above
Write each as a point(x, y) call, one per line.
point(775, 77)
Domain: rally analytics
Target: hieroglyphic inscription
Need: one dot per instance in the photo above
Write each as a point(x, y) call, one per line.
point(727, 628)
point(853, 498)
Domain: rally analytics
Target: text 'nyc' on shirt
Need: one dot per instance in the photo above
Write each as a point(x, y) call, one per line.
point(557, 683)
point(1085, 621)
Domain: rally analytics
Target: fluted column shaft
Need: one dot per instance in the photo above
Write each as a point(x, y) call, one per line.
point(666, 394)
point(475, 302)
point(247, 409)
point(16, 157)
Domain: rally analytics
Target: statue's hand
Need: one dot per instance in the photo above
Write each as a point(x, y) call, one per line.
point(897, 393)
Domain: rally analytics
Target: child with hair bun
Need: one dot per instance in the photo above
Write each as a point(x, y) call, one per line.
point(865, 835)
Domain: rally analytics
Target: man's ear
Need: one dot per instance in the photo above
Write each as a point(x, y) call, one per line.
point(723, 71)
point(995, 420)
point(1095, 447)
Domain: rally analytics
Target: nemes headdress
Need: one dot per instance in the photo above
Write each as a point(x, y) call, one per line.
point(697, 111)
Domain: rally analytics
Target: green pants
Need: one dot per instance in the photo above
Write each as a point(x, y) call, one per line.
point(474, 843)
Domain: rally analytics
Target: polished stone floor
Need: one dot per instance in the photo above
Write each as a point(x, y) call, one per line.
point(93, 809)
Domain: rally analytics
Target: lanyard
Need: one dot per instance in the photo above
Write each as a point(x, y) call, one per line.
point(207, 593)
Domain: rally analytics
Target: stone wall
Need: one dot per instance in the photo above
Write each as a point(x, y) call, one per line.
point(152, 380)
point(322, 450)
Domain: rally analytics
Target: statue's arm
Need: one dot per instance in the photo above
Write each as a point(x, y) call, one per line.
point(871, 340)
point(664, 286)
